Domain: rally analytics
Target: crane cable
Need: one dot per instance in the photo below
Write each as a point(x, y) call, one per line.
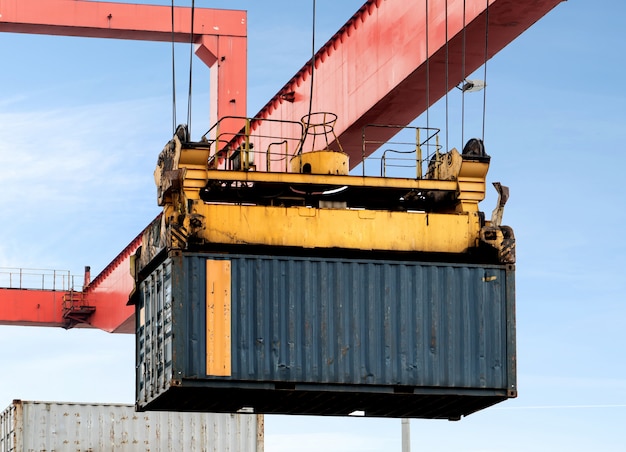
point(427, 76)
point(485, 69)
point(173, 75)
point(189, 95)
point(463, 66)
point(193, 10)
point(447, 73)
point(308, 117)
point(312, 60)
point(463, 78)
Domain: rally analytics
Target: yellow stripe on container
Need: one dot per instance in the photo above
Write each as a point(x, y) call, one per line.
point(218, 318)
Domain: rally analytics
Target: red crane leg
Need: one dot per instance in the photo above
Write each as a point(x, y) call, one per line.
point(374, 71)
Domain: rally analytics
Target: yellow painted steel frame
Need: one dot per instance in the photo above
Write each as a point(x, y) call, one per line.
point(336, 228)
point(334, 180)
point(445, 231)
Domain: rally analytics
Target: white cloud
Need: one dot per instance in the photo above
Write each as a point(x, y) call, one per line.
point(66, 173)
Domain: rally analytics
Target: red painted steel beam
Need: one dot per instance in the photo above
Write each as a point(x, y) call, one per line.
point(27, 307)
point(32, 307)
point(374, 69)
point(220, 36)
point(109, 292)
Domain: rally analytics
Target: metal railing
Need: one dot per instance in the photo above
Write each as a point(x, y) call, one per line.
point(39, 279)
point(246, 149)
point(413, 152)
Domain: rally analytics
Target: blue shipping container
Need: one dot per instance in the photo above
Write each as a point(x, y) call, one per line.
point(311, 335)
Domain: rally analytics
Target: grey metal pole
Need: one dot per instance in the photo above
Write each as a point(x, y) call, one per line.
point(406, 435)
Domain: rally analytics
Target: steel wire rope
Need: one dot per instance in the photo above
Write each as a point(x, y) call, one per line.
point(463, 50)
point(427, 74)
point(447, 72)
point(308, 118)
point(193, 10)
point(485, 68)
point(173, 74)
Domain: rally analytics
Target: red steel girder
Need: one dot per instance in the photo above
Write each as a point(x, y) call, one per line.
point(220, 36)
point(26, 307)
point(108, 293)
point(374, 69)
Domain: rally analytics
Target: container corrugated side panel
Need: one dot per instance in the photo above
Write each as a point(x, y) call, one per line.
point(154, 333)
point(69, 427)
point(378, 323)
point(339, 325)
point(10, 429)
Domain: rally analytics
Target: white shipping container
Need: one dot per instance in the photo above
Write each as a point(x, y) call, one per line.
point(80, 427)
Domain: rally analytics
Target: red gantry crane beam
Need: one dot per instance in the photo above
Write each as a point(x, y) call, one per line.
point(220, 35)
point(102, 303)
point(375, 70)
point(34, 307)
point(220, 38)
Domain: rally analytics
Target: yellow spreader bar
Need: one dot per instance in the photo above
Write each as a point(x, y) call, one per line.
point(327, 179)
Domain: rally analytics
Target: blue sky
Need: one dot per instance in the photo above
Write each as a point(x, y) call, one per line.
point(82, 122)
